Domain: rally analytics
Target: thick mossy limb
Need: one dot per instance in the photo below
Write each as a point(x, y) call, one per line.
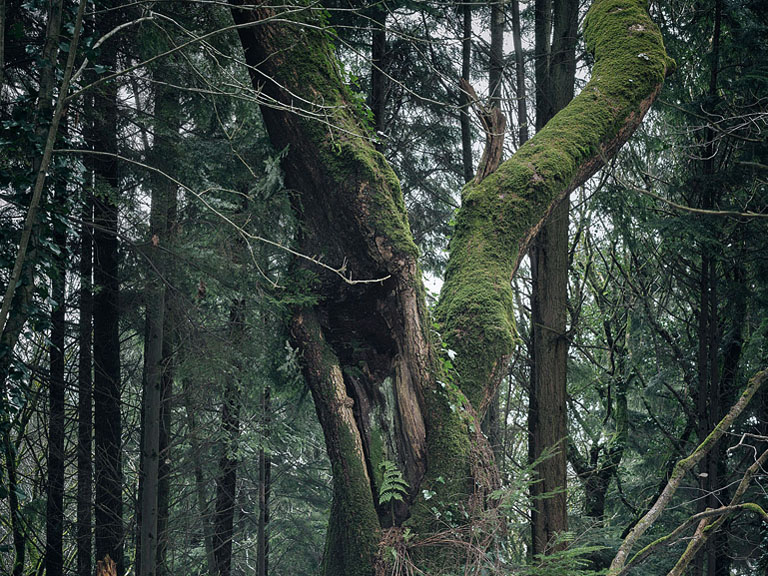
point(353, 528)
point(331, 148)
point(498, 215)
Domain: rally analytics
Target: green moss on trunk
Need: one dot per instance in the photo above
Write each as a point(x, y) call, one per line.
point(498, 214)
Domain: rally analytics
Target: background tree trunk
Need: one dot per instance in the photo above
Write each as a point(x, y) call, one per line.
point(464, 102)
point(265, 480)
point(163, 193)
point(85, 384)
point(226, 481)
point(547, 419)
point(106, 314)
point(54, 512)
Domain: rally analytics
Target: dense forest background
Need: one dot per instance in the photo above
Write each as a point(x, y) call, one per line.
point(154, 247)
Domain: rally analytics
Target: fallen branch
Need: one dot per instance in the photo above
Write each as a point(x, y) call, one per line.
point(679, 472)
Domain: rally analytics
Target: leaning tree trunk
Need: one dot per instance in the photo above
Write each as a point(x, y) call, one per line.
point(382, 386)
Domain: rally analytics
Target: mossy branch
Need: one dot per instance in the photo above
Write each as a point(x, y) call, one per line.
point(674, 536)
point(706, 529)
point(682, 468)
point(502, 213)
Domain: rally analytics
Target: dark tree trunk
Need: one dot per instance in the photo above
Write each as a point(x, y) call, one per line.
point(169, 353)
point(19, 541)
point(496, 60)
point(108, 468)
point(85, 386)
point(520, 89)
point(366, 347)
point(708, 406)
point(379, 83)
point(200, 492)
point(54, 512)
point(547, 419)
point(163, 193)
point(496, 76)
point(491, 422)
point(464, 102)
point(265, 481)
point(226, 481)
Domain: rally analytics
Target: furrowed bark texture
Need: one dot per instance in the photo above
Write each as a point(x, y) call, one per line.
point(547, 418)
point(367, 351)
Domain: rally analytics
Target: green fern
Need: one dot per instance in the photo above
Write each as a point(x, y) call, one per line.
point(393, 486)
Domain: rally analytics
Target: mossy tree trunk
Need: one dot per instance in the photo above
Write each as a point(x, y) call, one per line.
point(380, 380)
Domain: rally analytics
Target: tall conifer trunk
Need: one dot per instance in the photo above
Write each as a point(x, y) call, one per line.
point(464, 102)
point(54, 512)
point(108, 468)
point(156, 341)
point(85, 385)
point(265, 485)
point(547, 417)
point(226, 481)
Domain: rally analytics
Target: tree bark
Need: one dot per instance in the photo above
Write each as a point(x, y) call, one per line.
point(547, 417)
point(170, 339)
point(464, 101)
point(163, 191)
point(85, 385)
point(265, 485)
point(202, 501)
point(381, 390)
point(379, 82)
point(520, 91)
point(496, 74)
point(54, 511)
point(226, 481)
point(108, 468)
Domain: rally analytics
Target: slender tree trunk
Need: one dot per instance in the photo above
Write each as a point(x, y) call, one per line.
point(85, 386)
point(54, 512)
point(265, 480)
point(464, 102)
point(226, 482)
point(106, 314)
point(547, 420)
point(491, 422)
point(378, 100)
point(521, 92)
point(169, 353)
point(2, 44)
point(163, 151)
point(19, 541)
point(202, 501)
point(496, 75)
point(708, 406)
